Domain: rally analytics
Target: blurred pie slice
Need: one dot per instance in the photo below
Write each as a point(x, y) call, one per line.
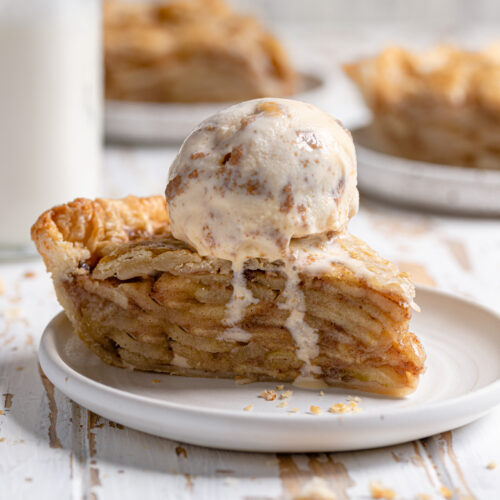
point(440, 105)
point(141, 299)
point(190, 51)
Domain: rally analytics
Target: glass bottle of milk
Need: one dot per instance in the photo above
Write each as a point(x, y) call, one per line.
point(50, 111)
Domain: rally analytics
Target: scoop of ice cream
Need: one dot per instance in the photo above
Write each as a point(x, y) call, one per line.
point(253, 176)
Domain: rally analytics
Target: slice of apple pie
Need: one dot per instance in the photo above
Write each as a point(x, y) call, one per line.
point(142, 299)
point(440, 105)
point(190, 51)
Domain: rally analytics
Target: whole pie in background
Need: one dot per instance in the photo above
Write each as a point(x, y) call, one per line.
point(441, 105)
point(247, 269)
point(190, 51)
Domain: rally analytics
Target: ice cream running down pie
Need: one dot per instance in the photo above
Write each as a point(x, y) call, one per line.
point(190, 51)
point(247, 270)
point(441, 105)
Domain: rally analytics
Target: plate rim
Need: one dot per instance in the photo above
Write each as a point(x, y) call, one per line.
point(152, 123)
point(432, 170)
point(482, 395)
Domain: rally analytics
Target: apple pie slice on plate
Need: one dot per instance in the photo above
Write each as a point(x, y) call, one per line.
point(142, 299)
point(246, 270)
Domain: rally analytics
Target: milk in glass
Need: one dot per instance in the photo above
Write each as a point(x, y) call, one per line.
point(50, 110)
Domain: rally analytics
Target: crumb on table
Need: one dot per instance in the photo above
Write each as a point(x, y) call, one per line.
point(446, 492)
point(339, 408)
point(352, 407)
point(268, 395)
point(315, 489)
point(378, 490)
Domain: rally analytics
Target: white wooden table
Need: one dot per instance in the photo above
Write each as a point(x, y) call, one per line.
point(51, 448)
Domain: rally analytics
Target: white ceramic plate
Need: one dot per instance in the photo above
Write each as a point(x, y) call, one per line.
point(426, 185)
point(461, 384)
point(171, 122)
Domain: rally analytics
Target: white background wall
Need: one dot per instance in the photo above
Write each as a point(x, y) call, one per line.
point(325, 33)
point(353, 26)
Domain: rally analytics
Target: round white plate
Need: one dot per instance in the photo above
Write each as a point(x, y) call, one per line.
point(426, 185)
point(171, 122)
point(461, 384)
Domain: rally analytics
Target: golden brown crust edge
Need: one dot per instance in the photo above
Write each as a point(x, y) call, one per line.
point(444, 75)
point(68, 235)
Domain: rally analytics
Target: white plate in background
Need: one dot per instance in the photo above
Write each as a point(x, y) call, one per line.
point(150, 122)
point(462, 383)
point(425, 185)
point(157, 123)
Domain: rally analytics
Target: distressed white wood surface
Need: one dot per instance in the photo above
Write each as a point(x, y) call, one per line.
point(52, 448)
